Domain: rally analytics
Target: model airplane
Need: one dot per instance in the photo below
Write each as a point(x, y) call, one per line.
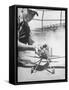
point(43, 53)
point(44, 57)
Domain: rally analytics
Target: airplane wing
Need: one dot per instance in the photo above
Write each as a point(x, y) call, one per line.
point(51, 57)
point(56, 57)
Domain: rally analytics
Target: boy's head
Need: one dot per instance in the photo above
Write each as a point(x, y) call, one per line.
point(44, 46)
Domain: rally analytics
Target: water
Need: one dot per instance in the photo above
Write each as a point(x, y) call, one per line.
point(54, 40)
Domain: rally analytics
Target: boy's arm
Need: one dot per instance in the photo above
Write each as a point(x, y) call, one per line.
point(22, 46)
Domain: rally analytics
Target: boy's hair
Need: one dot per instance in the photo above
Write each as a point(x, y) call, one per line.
point(44, 46)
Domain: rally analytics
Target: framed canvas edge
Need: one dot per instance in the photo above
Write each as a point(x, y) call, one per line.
point(66, 64)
